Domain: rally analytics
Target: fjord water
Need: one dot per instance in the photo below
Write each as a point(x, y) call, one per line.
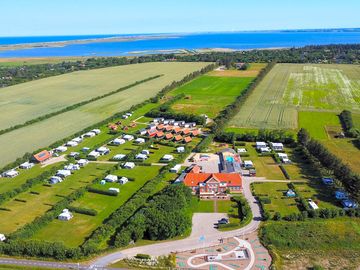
point(233, 40)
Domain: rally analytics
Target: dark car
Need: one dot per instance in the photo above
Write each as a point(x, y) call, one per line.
point(223, 221)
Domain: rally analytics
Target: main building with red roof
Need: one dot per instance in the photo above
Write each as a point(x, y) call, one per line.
point(210, 185)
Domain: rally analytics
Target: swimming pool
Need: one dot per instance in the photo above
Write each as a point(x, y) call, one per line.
point(230, 159)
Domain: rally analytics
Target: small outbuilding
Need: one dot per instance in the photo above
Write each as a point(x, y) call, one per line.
point(175, 169)
point(167, 157)
point(290, 193)
point(93, 155)
point(11, 174)
point(118, 141)
point(82, 162)
point(114, 190)
point(103, 150)
point(63, 173)
point(260, 145)
point(60, 149)
point(128, 137)
point(140, 140)
point(2, 237)
point(180, 149)
point(248, 164)
point(277, 146)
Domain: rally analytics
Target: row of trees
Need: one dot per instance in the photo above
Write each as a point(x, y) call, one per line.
point(165, 216)
point(341, 171)
point(348, 124)
point(231, 110)
point(260, 135)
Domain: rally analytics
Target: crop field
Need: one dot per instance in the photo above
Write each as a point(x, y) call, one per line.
point(25, 207)
point(289, 88)
point(209, 94)
point(331, 243)
point(73, 232)
point(252, 71)
point(40, 134)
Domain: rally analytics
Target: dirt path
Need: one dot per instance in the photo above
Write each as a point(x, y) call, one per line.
point(53, 161)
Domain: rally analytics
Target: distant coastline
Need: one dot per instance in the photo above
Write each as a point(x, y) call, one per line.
point(53, 44)
point(145, 44)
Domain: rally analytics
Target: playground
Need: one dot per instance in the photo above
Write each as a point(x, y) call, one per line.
point(242, 253)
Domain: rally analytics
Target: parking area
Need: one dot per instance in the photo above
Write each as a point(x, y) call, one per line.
point(209, 162)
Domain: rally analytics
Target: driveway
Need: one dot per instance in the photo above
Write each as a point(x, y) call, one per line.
point(204, 224)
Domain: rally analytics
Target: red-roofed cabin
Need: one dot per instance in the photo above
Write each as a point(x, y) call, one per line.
point(187, 139)
point(195, 132)
point(177, 130)
point(169, 136)
point(185, 131)
point(210, 185)
point(42, 156)
point(160, 134)
point(195, 169)
point(178, 138)
point(169, 128)
point(160, 127)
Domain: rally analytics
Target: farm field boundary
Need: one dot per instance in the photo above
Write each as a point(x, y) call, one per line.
point(290, 88)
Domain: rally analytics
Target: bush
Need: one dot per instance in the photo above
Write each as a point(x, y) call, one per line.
point(143, 256)
point(102, 192)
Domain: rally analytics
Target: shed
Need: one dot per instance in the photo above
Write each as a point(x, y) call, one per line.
point(260, 145)
point(60, 149)
point(42, 156)
point(93, 155)
point(248, 164)
point(141, 156)
point(180, 149)
point(103, 150)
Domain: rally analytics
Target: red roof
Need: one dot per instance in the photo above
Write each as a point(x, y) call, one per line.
point(160, 127)
point(42, 156)
point(160, 134)
point(185, 131)
point(169, 128)
point(178, 138)
point(177, 129)
point(195, 132)
point(151, 133)
point(187, 139)
point(169, 136)
point(194, 179)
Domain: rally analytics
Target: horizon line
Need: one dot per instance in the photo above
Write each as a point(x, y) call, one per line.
point(349, 29)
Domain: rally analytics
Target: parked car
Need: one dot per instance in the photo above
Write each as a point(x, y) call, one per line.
point(223, 221)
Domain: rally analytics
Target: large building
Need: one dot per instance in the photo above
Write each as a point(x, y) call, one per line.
point(213, 185)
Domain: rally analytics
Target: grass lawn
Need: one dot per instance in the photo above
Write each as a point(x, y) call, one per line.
point(204, 206)
point(31, 137)
point(319, 128)
point(73, 232)
point(36, 205)
point(332, 243)
point(265, 165)
point(209, 94)
point(157, 154)
point(276, 193)
point(7, 184)
point(224, 206)
point(356, 120)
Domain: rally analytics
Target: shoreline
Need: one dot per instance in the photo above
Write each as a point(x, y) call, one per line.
point(57, 44)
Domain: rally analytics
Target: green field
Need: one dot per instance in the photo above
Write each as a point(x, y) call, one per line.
point(209, 94)
point(279, 202)
point(73, 232)
point(25, 207)
point(289, 88)
point(33, 137)
point(332, 243)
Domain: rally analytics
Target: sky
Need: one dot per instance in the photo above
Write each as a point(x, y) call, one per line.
point(76, 17)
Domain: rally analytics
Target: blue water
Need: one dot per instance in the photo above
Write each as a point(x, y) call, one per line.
point(230, 159)
point(242, 40)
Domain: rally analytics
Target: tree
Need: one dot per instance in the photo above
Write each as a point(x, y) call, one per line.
point(303, 137)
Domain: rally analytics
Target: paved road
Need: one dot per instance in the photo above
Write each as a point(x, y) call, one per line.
point(194, 241)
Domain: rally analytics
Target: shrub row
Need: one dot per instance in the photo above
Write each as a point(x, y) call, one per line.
point(348, 124)
point(102, 192)
point(84, 211)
